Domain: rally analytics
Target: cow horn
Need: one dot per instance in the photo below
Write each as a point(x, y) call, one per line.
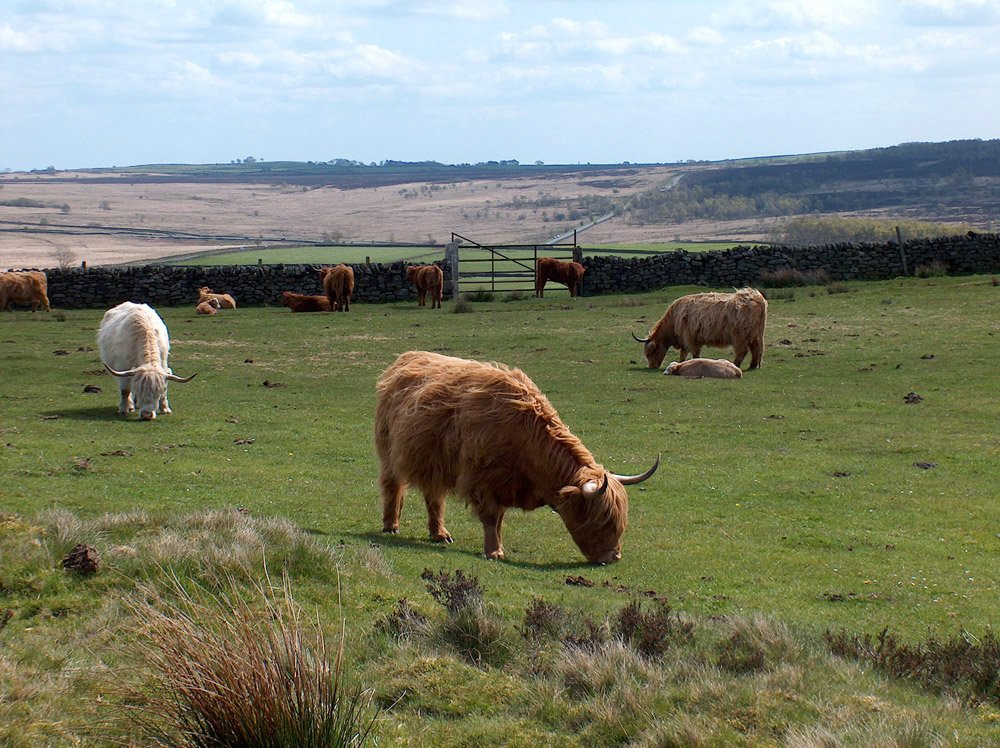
point(629, 480)
point(640, 340)
point(174, 378)
point(128, 373)
point(591, 491)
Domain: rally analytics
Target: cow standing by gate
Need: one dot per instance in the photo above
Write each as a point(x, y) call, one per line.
point(568, 273)
point(486, 432)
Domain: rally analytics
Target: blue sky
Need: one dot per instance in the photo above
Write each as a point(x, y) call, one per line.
point(86, 83)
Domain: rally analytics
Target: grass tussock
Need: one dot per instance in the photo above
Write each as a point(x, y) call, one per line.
point(462, 305)
point(838, 287)
point(235, 670)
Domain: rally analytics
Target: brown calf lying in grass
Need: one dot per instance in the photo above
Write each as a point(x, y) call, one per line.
point(207, 307)
point(225, 300)
point(302, 303)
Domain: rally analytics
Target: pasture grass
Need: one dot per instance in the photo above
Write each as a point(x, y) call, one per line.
point(810, 494)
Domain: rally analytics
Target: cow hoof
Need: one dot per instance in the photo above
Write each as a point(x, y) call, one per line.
point(391, 530)
point(494, 556)
point(445, 538)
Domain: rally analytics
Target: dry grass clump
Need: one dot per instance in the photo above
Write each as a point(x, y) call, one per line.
point(462, 305)
point(787, 277)
point(233, 670)
point(932, 269)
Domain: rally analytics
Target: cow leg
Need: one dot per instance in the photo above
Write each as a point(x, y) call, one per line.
point(392, 502)
point(125, 406)
point(739, 353)
point(492, 533)
point(756, 354)
point(435, 518)
point(164, 405)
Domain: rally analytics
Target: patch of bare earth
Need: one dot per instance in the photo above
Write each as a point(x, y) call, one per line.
point(122, 221)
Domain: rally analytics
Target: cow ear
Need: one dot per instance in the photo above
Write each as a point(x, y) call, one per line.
point(566, 494)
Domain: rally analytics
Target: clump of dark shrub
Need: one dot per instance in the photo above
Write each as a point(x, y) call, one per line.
point(453, 593)
point(462, 305)
point(651, 633)
point(404, 622)
point(932, 269)
point(787, 277)
point(480, 294)
point(960, 666)
point(476, 633)
point(515, 296)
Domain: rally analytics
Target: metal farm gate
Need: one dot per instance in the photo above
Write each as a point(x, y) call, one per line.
point(504, 267)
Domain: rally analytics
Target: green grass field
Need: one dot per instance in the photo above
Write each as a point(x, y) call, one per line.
point(809, 492)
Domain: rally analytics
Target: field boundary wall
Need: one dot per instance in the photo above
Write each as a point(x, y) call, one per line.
point(377, 283)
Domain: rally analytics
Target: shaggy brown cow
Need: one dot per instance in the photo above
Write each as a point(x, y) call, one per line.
point(487, 433)
point(714, 319)
point(427, 279)
point(301, 303)
point(225, 300)
point(712, 368)
point(568, 273)
point(207, 307)
point(338, 283)
point(24, 287)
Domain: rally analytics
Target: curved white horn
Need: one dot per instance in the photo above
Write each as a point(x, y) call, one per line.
point(629, 480)
point(591, 491)
point(174, 378)
point(640, 340)
point(128, 373)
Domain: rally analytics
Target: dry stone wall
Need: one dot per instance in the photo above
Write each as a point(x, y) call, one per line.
point(380, 283)
point(741, 266)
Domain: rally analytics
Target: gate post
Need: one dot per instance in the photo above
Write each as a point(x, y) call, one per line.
point(451, 260)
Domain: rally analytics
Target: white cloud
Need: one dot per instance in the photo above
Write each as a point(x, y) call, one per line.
point(951, 12)
point(705, 36)
point(466, 10)
point(34, 40)
point(793, 14)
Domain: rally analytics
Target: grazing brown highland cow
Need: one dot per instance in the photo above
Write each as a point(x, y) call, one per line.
point(707, 368)
point(429, 279)
point(24, 287)
point(338, 283)
point(567, 273)
point(302, 303)
point(487, 433)
point(714, 319)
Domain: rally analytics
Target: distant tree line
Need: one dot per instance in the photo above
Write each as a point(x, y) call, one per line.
point(954, 173)
point(816, 230)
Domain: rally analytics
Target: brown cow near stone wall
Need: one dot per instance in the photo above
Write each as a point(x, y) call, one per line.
point(427, 279)
point(298, 302)
point(338, 283)
point(714, 319)
point(487, 433)
point(567, 273)
point(24, 287)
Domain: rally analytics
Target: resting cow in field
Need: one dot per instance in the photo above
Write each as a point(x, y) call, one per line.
point(714, 319)
point(711, 368)
point(488, 434)
point(225, 300)
point(427, 279)
point(568, 273)
point(338, 283)
point(24, 287)
point(134, 346)
point(207, 307)
point(301, 303)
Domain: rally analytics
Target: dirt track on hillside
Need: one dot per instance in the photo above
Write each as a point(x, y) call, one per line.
point(117, 222)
